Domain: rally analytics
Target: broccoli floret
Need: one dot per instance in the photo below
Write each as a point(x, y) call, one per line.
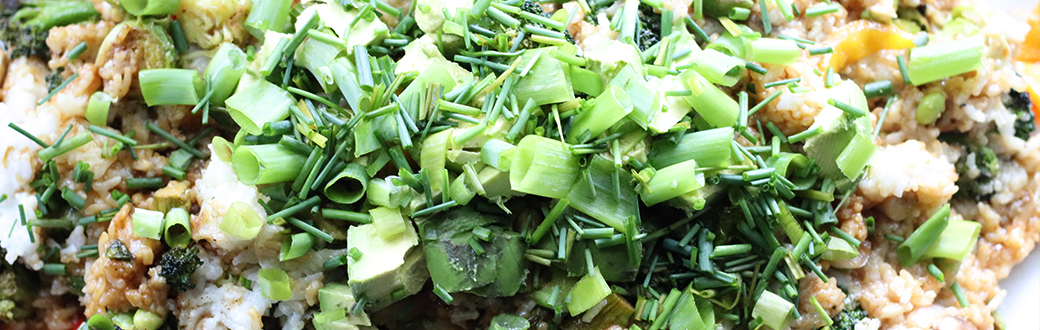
point(1022, 107)
point(847, 319)
point(851, 314)
point(534, 8)
point(55, 79)
point(649, 32)
point(177, 265)
point(23, 30)
point(974, 184)
point(18, 287)
point(22, 41)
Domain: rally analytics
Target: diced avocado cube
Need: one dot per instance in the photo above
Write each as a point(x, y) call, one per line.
point(339, 296)
point(174, 195)
point(456, 266)
point(386, 265)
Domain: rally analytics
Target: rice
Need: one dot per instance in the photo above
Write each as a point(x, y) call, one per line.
point(22, 88)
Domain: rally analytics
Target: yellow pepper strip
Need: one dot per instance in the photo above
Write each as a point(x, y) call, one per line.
point(854, 41)
point(1030, 51)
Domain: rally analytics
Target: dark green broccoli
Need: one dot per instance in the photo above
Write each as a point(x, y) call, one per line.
point(18, 287)
point(1022, 107)
point(649, 31)
point(847, 319)
point(177, 265)
point(972, 185)
point(23, 30)
point(534, 7)
point(55, 79)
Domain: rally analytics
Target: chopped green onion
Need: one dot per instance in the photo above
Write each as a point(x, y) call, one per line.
point(956, 241)
point(719, 68)
point(610, 107)
point(241, 221)
point(263, 102)
point(268, 15)
point(150, 7)
point(349, 185)
point(263, 164)
point(774, 310)
point(936, 62)
point(773, 51)
point(709, 148)
point(587, 292)
point(171, 86)
point(915, 246)
point(75, 142)
point(295, 246)
point(97, 109)
point(672, 181)
point(714, 105)
point(147, 223)
point(178, 228)
point(543, 167)
point(275, 284)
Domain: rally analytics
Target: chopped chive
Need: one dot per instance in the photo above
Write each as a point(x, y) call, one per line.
point(903, 69)
point(782, 82)
point(18, 129)
point(959, 294)
point(144, 183)
point(765, 102)
point(77, 51)
point(169, 137)
point(849, 109)
point(310, 229)
point(799, 137)
point(58, 89)
point(878, 88)
point(113, 135)
point(821, 50)
point(936, 273)
point(443, 294)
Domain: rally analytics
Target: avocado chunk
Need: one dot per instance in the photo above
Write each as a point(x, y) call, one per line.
point(389, 269)
point(338, 298)
point(456, 265)
point(174, 195)
point(846, 145)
